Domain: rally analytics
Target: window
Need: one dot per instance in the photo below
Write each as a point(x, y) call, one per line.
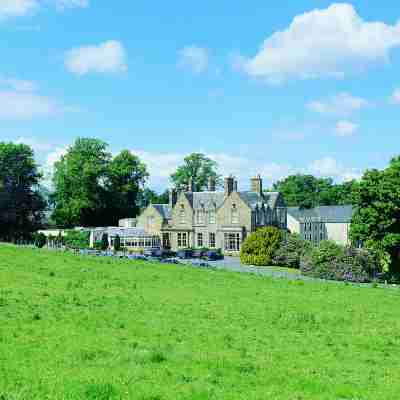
point(234, 215)
point(182, 239)
point(150, 221)
point(200, 240)
point(200, 217)
point(211, 217)
point(232, 241)
point(211, 240)
point(182, 215)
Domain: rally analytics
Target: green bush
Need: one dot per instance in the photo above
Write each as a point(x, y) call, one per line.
point(117, 243)
point(77, 239)
point(334, 262)
point(260, 247)
point(104, 241)
point(292, 248)
point(40, 240)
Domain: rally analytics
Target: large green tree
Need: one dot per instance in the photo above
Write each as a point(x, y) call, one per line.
point(197, 167)
point(376, 222)
point(309, 191)
point(92, 188)
point(126, 176)
point(21, 205)
point(149, 196)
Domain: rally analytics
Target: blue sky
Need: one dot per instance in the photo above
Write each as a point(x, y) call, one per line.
point(311, 87)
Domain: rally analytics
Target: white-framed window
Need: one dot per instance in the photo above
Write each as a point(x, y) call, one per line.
point(234, 215)
point(232, 241)
point(211, 216)
point(200, 216)
point(211, 240)
point(182, 215)
point(182, 239)
point(200, 239)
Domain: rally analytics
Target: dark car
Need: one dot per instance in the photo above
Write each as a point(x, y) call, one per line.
point(214, 255)
point(185, 254)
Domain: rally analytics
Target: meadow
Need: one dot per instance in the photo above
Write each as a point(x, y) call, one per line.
point(75, 327)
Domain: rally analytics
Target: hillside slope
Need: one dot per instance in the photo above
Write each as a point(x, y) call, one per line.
point(90, 328)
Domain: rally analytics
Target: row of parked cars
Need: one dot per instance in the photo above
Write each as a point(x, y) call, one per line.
point(195, 257)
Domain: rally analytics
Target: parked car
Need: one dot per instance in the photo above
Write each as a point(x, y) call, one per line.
point(170, 261)
point(213, 255)
point(185, 254)
point(198, 253)
point(137, 257)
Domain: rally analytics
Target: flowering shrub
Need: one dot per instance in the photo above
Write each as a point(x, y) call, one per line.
point(292, 248)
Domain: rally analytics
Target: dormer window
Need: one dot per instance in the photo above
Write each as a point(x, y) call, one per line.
point(211, 216)
point(200, 217)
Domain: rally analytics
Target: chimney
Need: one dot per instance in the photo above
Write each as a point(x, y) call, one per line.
point(256, 184)
point(173, 197)
point(235, 185)
point(211, 184)
point(229, 185)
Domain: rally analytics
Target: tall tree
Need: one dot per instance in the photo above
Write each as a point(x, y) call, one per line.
point(78, 180)
point(126, 176)
point(21, 205)
point(149, 196)
point(308, 191)
point(197, 167)
point(93, 189)
point(376, 222)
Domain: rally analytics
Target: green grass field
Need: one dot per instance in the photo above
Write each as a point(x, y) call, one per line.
point(90, 328)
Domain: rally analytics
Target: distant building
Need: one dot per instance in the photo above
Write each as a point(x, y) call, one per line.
point(321, 223)
point(213, 219)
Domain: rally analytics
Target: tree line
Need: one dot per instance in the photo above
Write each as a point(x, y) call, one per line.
point(93, 187)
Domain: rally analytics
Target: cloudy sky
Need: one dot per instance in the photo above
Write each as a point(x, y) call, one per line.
point(259, 87)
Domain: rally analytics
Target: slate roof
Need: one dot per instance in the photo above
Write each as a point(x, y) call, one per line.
point(164, 209)
point(339, 214)
point(252, 199)
point(207, 199)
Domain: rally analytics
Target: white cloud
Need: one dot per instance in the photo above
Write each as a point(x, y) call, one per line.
point(194, 58)
point(342, 104)
point(396, 96)
point(329, 42)
point(345, 128)
point(63, 4)
point(107, 57)
point(19, 100)
point(18, 84)
point(329, 167)
point(17, 8)
point(15, 105)
point(22, 8)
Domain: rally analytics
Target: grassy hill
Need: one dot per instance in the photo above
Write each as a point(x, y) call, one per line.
point(90, 328)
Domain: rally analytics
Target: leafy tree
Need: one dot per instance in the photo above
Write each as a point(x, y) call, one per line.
point(79, 178)
point(126, 176)
point(75, 239)
point(308, 191)
point(92, 189)
point(21, 205)
point(197, 167)
point(376, 222)
point(260, 247)
point(149, 196)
